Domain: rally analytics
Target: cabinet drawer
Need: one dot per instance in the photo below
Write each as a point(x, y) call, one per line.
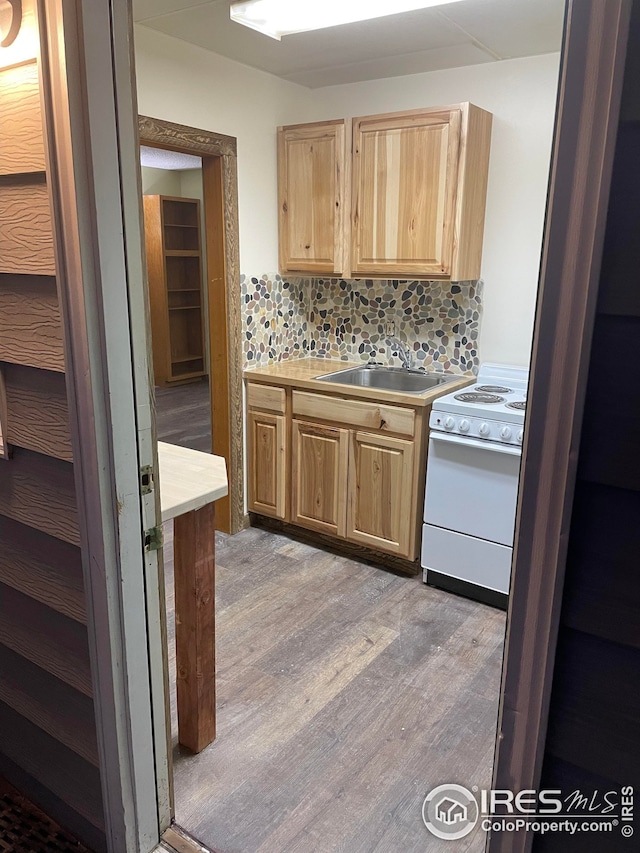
point(358, 413)
point(266, 397)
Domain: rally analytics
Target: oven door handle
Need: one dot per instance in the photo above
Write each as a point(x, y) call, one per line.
point(477, 443)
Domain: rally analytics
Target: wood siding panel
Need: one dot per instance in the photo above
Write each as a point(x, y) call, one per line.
point(46, 638)
point(38, 411)
point(21, 138)
point(43, 568)
point(49, 703)
point(48, 737)
point(39, 491)
point(26, 235)
point(55, 766)
point(30, 324)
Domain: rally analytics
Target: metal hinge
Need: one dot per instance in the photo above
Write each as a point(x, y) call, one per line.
point(146, 480)
point(153, 539)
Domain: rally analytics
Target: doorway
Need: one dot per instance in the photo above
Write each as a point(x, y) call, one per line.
point(221, 305)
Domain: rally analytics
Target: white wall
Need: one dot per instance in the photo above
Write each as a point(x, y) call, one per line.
point(160, 181)
point(186, 84)
point(183, 83)
point(521, 94)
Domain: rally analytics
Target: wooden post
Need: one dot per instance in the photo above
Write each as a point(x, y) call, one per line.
point(194, 549)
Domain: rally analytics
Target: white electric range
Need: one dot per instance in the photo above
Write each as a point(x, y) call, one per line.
point(472, 484)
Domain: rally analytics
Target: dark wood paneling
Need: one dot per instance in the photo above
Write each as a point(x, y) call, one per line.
point(53, 806)
point(567, 777)
point(609, 451)
point(38, 411)
point(601, 595)
point(73, 779)
point(30, 326)
point(42, 568)
point(596, 689)
point(21, 139)
point(26, 236)
point(49, 703)
point(46, 638)
point(619, 289)
point(39, 491)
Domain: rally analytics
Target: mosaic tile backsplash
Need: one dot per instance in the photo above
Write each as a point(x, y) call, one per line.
point(347, 319)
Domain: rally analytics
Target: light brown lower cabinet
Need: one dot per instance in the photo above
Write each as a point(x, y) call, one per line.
point(319, 477)
point(267, 446)
point(342, 473)
point(380, 492)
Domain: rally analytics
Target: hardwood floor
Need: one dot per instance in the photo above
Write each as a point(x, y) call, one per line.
point(184, 415)
point(345, 693)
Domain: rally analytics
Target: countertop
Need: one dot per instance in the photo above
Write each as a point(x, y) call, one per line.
point(301, 374)
point(189, 479)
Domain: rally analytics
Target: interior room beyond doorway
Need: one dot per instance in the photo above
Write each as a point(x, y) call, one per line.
point(183, 401)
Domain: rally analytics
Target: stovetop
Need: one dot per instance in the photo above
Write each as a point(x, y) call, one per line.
point(493, 408)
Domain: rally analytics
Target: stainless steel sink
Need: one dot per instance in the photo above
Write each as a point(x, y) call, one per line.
point(388, 378)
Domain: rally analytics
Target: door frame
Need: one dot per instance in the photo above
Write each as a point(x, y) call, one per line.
point(589, 94)
point(220, 185)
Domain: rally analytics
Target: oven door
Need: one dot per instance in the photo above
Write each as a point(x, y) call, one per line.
point(472, 487)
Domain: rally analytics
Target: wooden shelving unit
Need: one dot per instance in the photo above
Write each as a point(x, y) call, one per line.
point(174, 262)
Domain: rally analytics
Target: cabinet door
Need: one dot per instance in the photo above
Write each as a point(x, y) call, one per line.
point(380, 492)
point(405, 172)
point(267, 464)
point(319, 477)
point(311, 190)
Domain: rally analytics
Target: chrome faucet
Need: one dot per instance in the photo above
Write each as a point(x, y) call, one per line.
point(403, 351)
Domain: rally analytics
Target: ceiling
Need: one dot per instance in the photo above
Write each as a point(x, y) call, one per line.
point(464, 33)
point(159, 158)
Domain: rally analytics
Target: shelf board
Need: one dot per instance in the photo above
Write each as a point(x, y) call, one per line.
point(178, 225)
point(183, 290)
point(182, 253)
point(187, 358)
point(184, 307)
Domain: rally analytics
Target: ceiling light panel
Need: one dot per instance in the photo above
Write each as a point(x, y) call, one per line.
point(277, 18)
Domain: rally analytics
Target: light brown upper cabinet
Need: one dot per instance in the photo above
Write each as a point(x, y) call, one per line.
point(312, 198)
point(417, 192)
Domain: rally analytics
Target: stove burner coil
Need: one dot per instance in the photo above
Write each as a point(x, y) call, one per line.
point(474, 397)
point(520, 405)
point(493, 389)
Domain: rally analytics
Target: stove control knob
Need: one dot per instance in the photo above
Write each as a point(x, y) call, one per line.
point(520, 436)
point(484, 430)
point(505, 433)
point(464, 425)
point(449, 423)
